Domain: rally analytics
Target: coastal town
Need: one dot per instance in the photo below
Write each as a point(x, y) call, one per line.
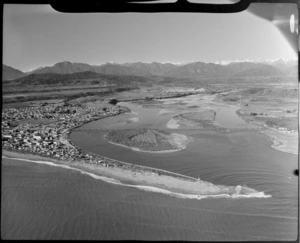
point(50, 139)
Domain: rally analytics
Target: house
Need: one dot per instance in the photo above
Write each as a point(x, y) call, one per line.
point(6, 137)
point(37, 136)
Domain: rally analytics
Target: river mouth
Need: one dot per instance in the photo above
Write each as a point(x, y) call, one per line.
point(237, 159)
point(212, 155)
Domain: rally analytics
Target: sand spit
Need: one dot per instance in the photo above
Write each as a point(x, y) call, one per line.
point(145, 179)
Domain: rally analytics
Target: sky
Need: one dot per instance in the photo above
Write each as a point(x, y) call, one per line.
point(37, 35)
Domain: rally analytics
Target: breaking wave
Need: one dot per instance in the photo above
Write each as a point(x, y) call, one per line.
point(240, 191)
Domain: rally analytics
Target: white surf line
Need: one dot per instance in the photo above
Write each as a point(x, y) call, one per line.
point(149, 188)
point(95, 176)
point(169, 173)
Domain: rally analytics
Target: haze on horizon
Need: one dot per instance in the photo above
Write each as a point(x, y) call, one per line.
point(37, 35)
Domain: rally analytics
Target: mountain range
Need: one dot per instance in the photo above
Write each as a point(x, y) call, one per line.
point(189, 70)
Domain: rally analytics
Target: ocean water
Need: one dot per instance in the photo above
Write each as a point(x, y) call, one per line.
point(45, 202)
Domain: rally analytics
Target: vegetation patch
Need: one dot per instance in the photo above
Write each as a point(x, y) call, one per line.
point(144, 139)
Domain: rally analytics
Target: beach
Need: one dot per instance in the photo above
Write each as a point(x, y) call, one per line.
point(182, 186)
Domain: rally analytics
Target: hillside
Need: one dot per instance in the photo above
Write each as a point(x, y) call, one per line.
point(64, 68)
point(9, 73)
point(292, 71)
point(259, 71)
point(108, 68)
point(118, 69)
point(154, 68)
point(253, 69)
point(278, 93)
point(82, 78)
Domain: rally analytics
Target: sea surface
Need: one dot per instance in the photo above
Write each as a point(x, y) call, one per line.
point(45, 202)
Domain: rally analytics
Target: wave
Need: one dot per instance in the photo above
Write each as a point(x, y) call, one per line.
point(240, 191)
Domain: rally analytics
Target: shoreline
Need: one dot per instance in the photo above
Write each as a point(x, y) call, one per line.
point(277, 144)
point(143, 151)
point(140, 175)
point(146, 180)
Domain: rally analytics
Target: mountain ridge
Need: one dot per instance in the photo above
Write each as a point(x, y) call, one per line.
point(190, 70)
point(84, 78)
point(10, 73)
